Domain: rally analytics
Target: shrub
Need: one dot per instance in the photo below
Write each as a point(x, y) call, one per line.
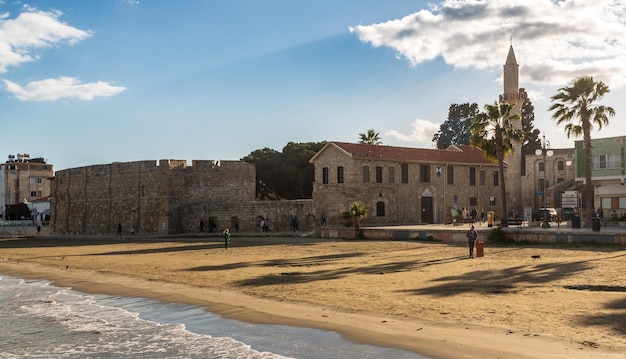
point(498, 236)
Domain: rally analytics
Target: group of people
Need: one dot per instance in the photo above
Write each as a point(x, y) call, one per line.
point(473, 214)
point(212, 226)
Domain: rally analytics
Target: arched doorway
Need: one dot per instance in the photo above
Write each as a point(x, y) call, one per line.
point(426, 204)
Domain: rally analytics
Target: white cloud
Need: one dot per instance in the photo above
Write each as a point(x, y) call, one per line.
point(61, 88)
point(22, 37)
point(557, 40)
point(422, 132)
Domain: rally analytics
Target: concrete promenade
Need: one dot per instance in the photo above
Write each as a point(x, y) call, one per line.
point(612, 233)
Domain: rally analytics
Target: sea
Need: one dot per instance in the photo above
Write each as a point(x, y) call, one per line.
point(40, 320)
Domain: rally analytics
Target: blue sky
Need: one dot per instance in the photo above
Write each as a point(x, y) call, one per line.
point(93, 82)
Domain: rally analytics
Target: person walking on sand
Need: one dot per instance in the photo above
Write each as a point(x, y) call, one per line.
point(226, 238)
point(471, 240)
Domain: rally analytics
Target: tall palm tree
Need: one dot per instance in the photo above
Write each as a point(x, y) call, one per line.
point(576, 107)
point(494, 132)
point(370, 138)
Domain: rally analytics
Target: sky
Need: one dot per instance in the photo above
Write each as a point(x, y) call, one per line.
point(95, 82)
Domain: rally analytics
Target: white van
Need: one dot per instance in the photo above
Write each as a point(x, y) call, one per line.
point(551, 213)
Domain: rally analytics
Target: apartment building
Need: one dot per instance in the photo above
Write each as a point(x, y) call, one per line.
point(24, 180)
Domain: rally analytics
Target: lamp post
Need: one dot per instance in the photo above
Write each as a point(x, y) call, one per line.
point(546, 152)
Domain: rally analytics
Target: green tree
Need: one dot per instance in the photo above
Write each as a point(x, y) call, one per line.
point(531, 140)
point(494, 131)
point(455, 130)
point(370, 138)
point(296, 174)
point(577, 107)
point(286, 175)
point(266, 161)
point(355, 214)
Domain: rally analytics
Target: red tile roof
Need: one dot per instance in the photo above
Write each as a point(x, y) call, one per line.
point(453, 154)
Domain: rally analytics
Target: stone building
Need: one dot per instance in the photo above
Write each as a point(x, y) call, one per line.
point(166, 198)
point(550, 178)
point(608, 174)
point(402, 185)
point(23, 180)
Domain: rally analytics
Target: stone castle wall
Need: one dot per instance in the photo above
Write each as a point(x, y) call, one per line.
point(168, 197)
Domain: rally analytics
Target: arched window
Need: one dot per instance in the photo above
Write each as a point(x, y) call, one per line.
point(560, 165)
point(542, 166)
point(380, 209)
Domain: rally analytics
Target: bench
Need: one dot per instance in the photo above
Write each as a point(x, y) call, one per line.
point(514, 222)
point(458, 221)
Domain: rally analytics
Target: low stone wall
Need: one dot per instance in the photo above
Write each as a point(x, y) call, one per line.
point(572, 236)
point(458, 235)
point(249, 214)
point(22, 231)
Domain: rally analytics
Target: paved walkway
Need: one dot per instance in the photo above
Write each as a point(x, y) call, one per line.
point(554, 227)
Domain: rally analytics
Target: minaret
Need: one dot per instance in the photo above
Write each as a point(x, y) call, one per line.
point(515, 96)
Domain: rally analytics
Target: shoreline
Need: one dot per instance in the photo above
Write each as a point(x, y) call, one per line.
point(435, 339)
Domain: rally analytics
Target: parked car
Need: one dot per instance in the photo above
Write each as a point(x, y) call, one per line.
point(568, 213)
point(551, 213)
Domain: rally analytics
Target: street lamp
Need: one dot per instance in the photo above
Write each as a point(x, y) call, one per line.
point(546, 152)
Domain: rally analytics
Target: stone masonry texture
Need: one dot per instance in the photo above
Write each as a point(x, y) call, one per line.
point(166, 198)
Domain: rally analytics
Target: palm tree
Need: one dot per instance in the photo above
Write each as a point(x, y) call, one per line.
point(494, 132)
point(370, 138)
point(355, 214)
point(576, 107)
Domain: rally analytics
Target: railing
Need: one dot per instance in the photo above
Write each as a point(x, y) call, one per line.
point(17, 223)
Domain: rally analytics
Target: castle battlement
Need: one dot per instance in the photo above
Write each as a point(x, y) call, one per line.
point(95, 199)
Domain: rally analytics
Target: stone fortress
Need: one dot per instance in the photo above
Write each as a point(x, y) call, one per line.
point(167, 197)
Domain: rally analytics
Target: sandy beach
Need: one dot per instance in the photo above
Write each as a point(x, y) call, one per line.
point(425, 297)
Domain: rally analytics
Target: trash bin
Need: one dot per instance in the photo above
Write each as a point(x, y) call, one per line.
point(595, 224)
point(480, 246)
point(575, 221)
point(490, 219)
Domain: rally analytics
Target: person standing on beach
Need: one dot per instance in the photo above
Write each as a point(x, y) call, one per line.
point(265, 223)
point(226, 238)
point(293, 224)
point(471, 240)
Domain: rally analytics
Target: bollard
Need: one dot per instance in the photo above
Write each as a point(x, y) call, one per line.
point(480, 249)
